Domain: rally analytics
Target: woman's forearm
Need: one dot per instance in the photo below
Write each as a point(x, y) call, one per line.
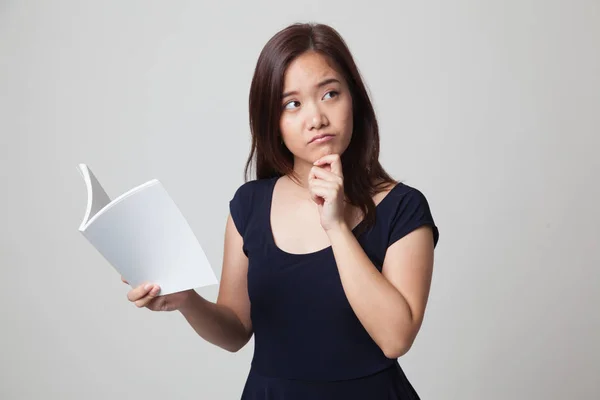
point(215, 323)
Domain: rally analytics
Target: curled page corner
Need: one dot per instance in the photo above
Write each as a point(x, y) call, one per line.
point(96, 196)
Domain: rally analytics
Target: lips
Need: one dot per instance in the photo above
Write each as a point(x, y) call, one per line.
point(325, 135)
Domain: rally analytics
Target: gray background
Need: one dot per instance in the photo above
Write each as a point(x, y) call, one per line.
point(490, 108)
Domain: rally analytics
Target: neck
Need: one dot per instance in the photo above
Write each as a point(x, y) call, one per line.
point(301, 171)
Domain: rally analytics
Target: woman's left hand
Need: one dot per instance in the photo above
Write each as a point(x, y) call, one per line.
point(326, 187)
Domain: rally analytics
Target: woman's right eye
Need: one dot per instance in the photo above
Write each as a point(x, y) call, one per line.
point(287, 106)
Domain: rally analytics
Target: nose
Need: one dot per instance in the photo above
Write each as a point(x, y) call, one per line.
point(316, 117)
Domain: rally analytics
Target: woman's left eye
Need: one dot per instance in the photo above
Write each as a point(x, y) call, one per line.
point(333, 92)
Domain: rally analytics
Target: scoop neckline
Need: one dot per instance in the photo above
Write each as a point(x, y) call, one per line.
point(316, 252)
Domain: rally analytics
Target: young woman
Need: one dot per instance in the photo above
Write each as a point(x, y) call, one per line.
point(327, 259)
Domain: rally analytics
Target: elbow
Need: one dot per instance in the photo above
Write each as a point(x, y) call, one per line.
point(396, 352)
point(399, 343)
point(397, 348)
point(234, 348)
point(239, 344)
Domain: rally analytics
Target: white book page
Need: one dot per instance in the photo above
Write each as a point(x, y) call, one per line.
point(145, 237)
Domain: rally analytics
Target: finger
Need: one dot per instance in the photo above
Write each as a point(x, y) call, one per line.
point(139, 292)
point(148, 298)
point(329, 188)
point(123, 279)
point(334, 161)
point(333, 186)
point(320, 192)
point(321, 173)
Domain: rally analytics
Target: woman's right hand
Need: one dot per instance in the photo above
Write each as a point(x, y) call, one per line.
point(147, 295)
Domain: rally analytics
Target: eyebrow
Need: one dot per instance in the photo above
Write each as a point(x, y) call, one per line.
point(320, 84)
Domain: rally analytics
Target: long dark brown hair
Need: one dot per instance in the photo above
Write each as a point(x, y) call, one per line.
point(363, 174)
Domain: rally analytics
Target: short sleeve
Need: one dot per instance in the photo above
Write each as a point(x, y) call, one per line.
point(237, 210)
point(411, 213)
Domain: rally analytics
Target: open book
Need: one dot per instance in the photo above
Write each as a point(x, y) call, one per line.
point(144, 236)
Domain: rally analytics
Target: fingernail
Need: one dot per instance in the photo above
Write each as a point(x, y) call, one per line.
point(148, 286)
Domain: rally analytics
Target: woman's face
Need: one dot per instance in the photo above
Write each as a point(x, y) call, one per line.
point(316, 101)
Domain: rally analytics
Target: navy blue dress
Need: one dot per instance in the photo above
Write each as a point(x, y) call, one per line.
point(308, 343)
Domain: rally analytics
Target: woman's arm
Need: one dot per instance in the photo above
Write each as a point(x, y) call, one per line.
point(391, 304)
point(225, 323)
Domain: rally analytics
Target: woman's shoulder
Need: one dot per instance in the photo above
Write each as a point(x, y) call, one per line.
point(252, 187)
point(246, 200)
point(398, 190)
point(250, 192)
point(407, 208)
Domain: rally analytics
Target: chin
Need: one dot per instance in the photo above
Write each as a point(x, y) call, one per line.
point(327, 149)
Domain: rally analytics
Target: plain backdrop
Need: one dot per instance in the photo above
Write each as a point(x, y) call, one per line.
point(491, 108)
